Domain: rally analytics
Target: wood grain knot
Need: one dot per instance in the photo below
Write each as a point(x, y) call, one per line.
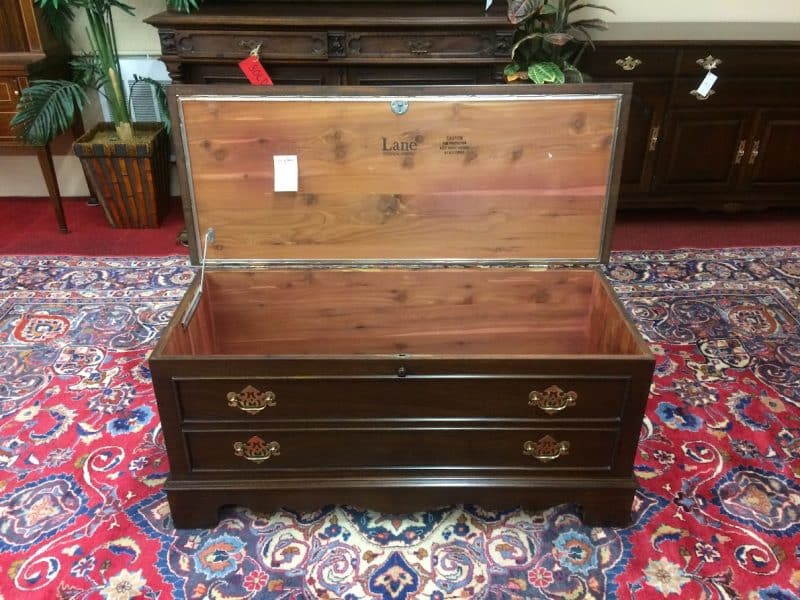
point(579, 123)
point(388, 206)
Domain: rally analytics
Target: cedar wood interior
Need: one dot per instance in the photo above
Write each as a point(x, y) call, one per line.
point(475, 312)
point(548, 203)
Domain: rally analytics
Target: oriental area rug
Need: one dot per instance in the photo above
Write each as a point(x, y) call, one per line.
point(82, 459)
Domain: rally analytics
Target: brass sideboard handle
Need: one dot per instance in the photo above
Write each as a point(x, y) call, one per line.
point(251, 400)
point(256, 450)
point(552, 400)
point(700, 96)
point(252, 46)
point(654, 133)
point(754, 153)
point(546, 449)
point(709, 63)
point(629, 63)
point(740, 152)
point(420, 47)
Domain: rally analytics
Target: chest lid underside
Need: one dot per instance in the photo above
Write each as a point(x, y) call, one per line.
point(479, 175)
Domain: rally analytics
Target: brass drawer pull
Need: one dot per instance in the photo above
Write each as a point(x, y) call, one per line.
point(740, 152)
point(709, 63)
point(251, 400)
point(552, 400)
point(700, 96)
point(256, 450)
point(654, 133)
point(754, 153)
point(546, 449)
point(252, 46)
point(629, 63)
point(419, 47)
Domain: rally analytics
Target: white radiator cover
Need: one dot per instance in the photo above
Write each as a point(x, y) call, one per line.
point(144, 106)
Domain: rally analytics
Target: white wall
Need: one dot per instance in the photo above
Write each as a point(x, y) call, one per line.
point(133, 36)
point(705, 10)
point(137, 38)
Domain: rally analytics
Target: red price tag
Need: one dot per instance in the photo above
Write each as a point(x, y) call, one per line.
point(254, 71)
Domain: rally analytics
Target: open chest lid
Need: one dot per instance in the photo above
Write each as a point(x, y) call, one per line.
point(507, 174)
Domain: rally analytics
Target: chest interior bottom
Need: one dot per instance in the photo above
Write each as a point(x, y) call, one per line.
point(442, 312)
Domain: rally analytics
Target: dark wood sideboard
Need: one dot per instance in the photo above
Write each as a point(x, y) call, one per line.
point(732, 150)
point(27, 50)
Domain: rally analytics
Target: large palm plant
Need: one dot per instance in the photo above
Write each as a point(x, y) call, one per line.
point(48, 107)
point(549, 41)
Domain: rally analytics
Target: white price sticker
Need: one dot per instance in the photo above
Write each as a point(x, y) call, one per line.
point(705, 87)
point(489, 4)
point(285, 172)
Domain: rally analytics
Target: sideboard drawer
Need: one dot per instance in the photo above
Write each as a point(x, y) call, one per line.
point(392, 397)
point(765, 62)
point(9, 96)
point(629, 62)
point(272, 45)
point(425, 44)
point(418, 448)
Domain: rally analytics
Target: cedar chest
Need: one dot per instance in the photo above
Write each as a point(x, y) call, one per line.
point(418, 321)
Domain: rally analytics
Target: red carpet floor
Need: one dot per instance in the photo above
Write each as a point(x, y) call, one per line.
point(27, 226)
point(666, 230)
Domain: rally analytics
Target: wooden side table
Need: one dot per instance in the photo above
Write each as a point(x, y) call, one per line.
point(28, 50)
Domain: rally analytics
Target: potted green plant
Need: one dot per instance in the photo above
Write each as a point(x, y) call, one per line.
point(126, 163)
point(549, 41)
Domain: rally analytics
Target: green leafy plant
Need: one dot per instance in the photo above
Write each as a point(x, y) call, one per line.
point(184, 5)
point(549, 41)
point(49, 106)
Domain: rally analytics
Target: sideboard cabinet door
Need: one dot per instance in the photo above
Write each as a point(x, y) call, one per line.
point(773, 162)
point(703, 151)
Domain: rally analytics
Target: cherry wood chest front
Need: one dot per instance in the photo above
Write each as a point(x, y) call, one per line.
point(418, 320)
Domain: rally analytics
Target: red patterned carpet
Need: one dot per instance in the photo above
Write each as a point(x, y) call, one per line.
point(717, 515)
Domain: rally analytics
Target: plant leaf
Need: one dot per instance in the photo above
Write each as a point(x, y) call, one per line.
point(184, 5)
point(511, 69)
point(572, 74)
point(57, 19)
point(531, 36)
point(57, 4)
point(587, 36)
point(545, 72)
point(558, 39)
point(46, 109)
point(590, 24)
point(582, 5)
point(122, 6)
point(87, 71)
point(520, 10)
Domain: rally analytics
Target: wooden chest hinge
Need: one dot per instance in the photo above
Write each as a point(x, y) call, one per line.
point(187, 316)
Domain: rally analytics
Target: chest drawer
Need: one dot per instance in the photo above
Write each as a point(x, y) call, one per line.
point(413, 448)
point(391, 397)
point(272, 45)
point(420, 45)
